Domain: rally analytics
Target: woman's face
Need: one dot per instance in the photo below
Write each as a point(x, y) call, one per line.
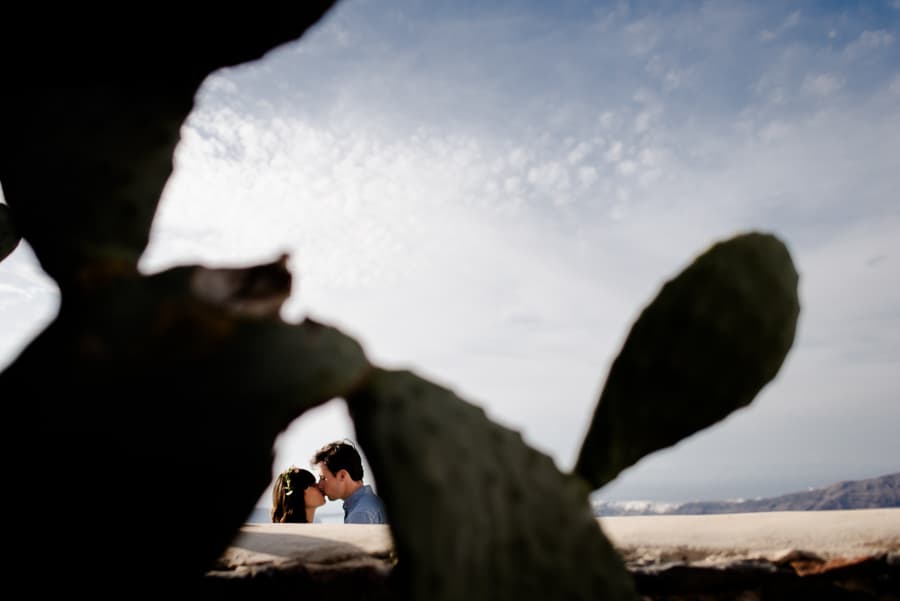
point(313, 497)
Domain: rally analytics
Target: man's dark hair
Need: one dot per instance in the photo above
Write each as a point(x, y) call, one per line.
point(339, 456)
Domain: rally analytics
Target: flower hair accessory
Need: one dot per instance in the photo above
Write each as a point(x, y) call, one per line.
point(286, 479)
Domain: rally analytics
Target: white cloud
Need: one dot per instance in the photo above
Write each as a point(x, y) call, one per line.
point(548, 175)
point(770, 88)
point(823, 84)
point(643, 121)
point(774, 132)
point(614, 153)
point(643, 36)
point(894, 86)
point(604, 20)
point(791, 21)
point(671, 75)
point(675, 79)
point(587, 176)
point(579, 152)
point(607, 119)
point(868, 42)
point(626, 167)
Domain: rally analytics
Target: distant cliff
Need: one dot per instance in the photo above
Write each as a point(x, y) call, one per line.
point(871, 493)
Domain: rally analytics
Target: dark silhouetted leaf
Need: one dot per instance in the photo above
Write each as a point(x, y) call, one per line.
point(475, 512)
point(9, 239)
point(712, 338)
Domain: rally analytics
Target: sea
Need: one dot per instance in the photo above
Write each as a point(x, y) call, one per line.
point(325, 515)
point(334, 514)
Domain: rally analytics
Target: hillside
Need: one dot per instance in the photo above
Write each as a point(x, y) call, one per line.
point(871, 493)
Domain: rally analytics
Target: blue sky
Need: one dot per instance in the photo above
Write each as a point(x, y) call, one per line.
point(489, 195)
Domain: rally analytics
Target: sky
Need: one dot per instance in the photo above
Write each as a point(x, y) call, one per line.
point(489, 193)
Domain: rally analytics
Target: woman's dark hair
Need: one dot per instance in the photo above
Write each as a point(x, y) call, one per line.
point(287, 495)
point(340, 455)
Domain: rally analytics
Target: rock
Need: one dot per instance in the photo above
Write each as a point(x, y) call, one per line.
point(781, 555)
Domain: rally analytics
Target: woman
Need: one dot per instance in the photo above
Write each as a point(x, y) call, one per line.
point(295, 496)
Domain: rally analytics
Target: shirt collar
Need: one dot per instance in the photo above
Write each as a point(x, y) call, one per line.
point(351, 501)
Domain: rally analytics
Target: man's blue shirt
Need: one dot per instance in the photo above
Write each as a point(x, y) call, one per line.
point(364, 507)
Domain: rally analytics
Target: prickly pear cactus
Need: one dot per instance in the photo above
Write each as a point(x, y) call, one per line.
point(147, 391)
point(715, 335)
point(532, 536)
point(9, 239)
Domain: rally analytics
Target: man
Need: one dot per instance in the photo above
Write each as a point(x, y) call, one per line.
point(341, 477)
